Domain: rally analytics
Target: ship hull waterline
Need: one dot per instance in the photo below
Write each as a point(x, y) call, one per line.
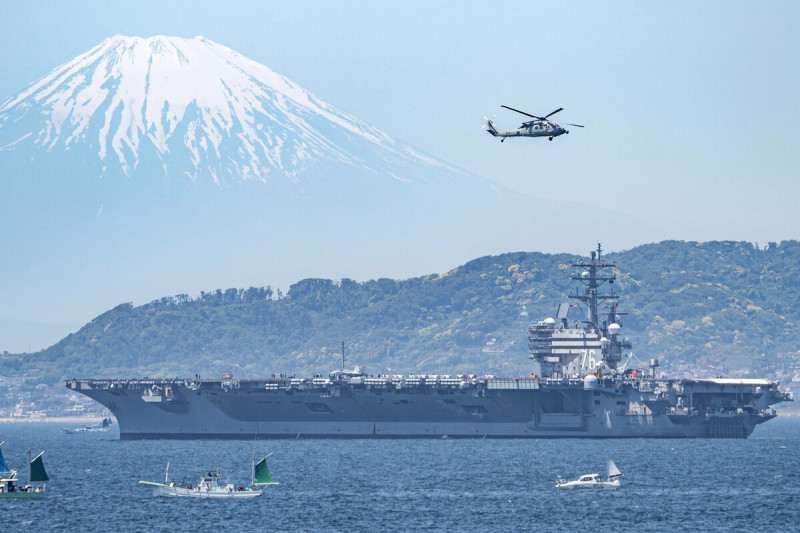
point(213, 412)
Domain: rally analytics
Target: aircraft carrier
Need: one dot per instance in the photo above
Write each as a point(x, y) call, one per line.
point(584, 386)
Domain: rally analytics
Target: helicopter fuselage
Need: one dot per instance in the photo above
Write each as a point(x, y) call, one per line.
point(538, 128)
point(534, 128)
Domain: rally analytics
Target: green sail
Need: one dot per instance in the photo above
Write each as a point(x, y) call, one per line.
point(38, 473)
point(262, 476)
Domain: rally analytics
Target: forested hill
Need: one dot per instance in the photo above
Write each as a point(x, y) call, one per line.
point(731, 305)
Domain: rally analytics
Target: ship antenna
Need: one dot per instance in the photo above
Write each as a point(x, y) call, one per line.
point(592, 278)
point(342, 355)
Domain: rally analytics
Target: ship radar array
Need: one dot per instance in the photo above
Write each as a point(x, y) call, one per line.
point(589, 348)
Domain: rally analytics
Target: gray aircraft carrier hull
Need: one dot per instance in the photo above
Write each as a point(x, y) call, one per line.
point(527, 409)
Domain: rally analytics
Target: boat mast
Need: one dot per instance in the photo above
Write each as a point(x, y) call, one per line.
point(342, 355)
point(29, 466)
point(253, 466)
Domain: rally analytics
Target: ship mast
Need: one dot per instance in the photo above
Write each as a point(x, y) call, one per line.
point(561, 350)
point(592, 278)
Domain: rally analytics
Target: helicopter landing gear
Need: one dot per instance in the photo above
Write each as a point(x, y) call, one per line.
point(503, 139)
point(550, 139)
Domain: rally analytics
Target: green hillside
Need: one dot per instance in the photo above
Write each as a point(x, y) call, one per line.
point(730, 305)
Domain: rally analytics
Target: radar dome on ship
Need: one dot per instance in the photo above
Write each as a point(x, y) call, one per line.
point(613, 329)
point(604, 341)
point(549, 321)
point(585, 274)
point(590, 381)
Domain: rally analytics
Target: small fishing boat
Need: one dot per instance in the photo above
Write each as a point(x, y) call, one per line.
point(594, 481)
point(103, 426)
point(9, 478)
point(212, 486)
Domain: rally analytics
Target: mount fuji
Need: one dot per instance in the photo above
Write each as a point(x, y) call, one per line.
point(154, 166)
point(199, 109)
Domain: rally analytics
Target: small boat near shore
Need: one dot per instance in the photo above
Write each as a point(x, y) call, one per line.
point(211, 485)
point(594, 481)
point(9, 478)
point(102, 427)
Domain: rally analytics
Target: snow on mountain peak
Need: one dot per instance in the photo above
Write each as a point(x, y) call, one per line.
point(201, 107)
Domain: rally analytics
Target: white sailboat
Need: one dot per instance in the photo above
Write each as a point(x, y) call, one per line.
point(594, 481)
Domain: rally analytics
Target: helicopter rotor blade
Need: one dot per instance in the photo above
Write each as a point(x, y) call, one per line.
point(568, 124)
point(524, 113)
point(554, 112)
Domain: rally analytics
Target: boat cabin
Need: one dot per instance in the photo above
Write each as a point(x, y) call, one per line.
point(9, 484)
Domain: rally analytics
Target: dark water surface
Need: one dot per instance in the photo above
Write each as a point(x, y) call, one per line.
point(406, 485)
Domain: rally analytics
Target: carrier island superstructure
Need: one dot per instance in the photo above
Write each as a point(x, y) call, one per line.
point(582, 389)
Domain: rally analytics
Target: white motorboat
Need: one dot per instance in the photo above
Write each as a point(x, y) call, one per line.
point(102, 427)
point(211, 485)
point(594, 481)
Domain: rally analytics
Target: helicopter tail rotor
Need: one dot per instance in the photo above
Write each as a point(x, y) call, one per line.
point(489, 126)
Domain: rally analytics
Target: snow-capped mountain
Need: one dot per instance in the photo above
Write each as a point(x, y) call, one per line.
point(199, 108)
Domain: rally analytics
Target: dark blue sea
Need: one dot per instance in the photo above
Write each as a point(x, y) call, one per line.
point(415, 485)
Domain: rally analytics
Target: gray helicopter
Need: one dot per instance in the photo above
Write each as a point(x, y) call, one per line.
point(541, 127)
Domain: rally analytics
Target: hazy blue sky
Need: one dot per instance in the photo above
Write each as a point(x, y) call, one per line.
point(691, 108)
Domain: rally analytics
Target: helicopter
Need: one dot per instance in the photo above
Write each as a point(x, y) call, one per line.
point(541, 127)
